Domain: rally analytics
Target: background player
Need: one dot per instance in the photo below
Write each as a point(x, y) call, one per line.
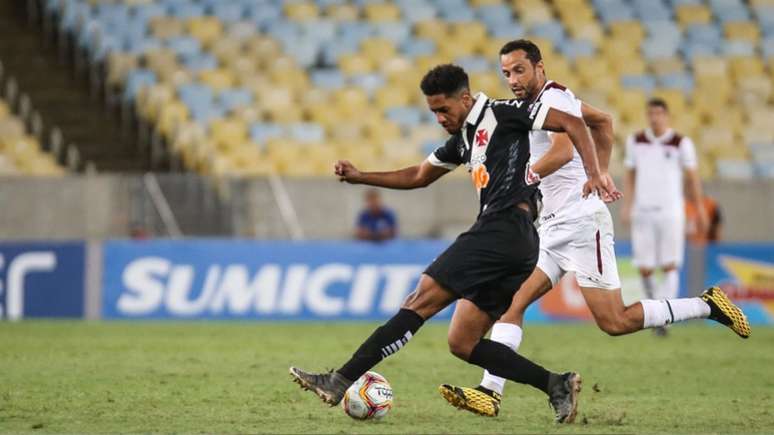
point(576, 234)
point(659, 160)
point(486, 264)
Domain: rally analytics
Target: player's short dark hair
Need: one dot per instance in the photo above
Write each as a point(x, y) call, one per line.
point(658, 102)
point(529, 47)
point(447, 79)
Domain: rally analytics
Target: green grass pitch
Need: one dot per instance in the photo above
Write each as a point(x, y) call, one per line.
point(79, 377)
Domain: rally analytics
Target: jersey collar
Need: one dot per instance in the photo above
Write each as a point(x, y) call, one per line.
point(663, 138)
point(478, 106)
point(545, 85)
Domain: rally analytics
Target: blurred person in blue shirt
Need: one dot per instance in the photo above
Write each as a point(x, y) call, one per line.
point(376, 222)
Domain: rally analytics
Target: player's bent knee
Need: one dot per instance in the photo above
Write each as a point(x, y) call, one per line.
point(615, 325)
point(460, 348)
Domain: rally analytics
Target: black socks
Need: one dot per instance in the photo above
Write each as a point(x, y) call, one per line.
point(385, 340)
point(503, 362)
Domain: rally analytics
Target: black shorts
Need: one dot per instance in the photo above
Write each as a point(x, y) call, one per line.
point(490, 261)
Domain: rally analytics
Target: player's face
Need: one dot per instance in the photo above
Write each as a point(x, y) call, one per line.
point(450, 111)
point(522, 76)
point(658, 118)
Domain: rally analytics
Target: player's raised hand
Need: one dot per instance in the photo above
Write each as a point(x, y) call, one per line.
point(346, 171)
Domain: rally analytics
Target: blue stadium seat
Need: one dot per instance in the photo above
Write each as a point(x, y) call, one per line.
point(195, 94)
point(147, 11)
point(233, 98)
point(415, 11)
point(704, 33)
point(107, 44)
point(550, 30)
point(74, 13)
point(395, 31)
point(327, 78)
point(139, 45)
point(305, 50)
point(697, 49)
point(738, 48)
point(430, 146)
point(331, 51)
point(414, 47)
point(307, 132)
point(652, 10)
point(507, 30)
point(185, 9)
point(574, 48)
point(682, 81)
point(135, 80)
point(458, 14)
point(409, 116)
point(184, 45)
point(199, 61)
point(475, 64)
point(261, 133)
point(320, 30)
point(226, 11)
point(263, 14)
point(767, 47)
point(663, 29)
point(643, 82)
point(206, 113)
point(368, 82)
point(659, 48)
point(355, 31)
point(494, 14)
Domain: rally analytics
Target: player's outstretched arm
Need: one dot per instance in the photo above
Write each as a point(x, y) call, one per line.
point(556, 120)
point(412, 177)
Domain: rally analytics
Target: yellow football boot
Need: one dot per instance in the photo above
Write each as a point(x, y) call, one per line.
point(478, 400)
point(722, 310)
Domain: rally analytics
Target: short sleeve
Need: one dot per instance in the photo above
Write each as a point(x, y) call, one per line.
point(447, 156)
point(688, 154)
point(629, 161)
point(521, 115)
point(563, 101)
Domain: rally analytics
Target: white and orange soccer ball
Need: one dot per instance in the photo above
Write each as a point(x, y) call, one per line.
point(370, 397)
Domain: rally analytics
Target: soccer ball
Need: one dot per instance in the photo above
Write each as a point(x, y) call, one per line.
point(370, 397)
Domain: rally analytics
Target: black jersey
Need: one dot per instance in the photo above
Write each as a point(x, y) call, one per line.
point(494, 146)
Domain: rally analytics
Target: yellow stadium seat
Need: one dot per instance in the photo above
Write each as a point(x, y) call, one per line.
point(295, 79)
point(395, 66)
point(761, 117)
point(693, 14)
point(242, 67)
point(353, 64)
point(436, 30)
point(743, 67)
point(382, 46)
point(5, 111)
point(716, 137)
point(762, 2)
point(631, 104)
point(388, 97)
point(11, 128)
point(491, 84)
point(301, 11)
point(345, 132)
point(631, 66)
point(590, 31)
point(342, 12)
point(619, 49)
point(228, 133)
point(172, 114)
point(425, 63)
point(351, 101)
point(118, 66)
point(479, 3)
point(667, 66)
point(469, 30)
point(630, 31)
point(166, 27)
point(283, 115)
point(263, 48)
point(205, 29)
point(532, 12)
point(376, 12)
point(754, 91)
point(452, 48)
point(673, 97)
point(742, 30)
point(218, 79)
point(151, 99)
point(227, 50)
point(161, 60)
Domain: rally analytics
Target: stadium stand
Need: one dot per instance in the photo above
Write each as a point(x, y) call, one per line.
point(20, 149)
point(257, 87)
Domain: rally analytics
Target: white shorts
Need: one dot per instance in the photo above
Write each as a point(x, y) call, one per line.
point(584, 246)
point(658, 239)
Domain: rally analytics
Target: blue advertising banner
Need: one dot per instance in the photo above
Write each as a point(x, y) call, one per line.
point(745, 271)
point(219, 279)
point(42, 279)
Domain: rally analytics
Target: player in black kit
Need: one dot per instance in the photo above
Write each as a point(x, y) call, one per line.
point(485, 264)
